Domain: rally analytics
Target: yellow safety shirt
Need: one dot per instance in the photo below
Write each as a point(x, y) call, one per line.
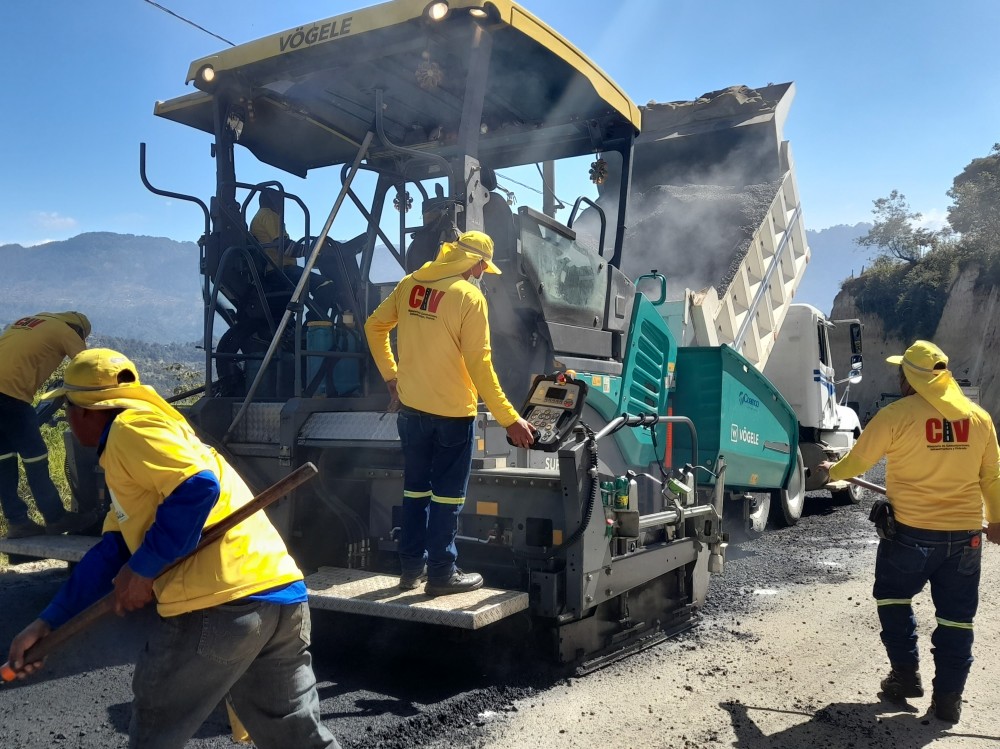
point(445, 359)
point(31, 349)
point(938, 473)
point(266, 229)
point(148, 454)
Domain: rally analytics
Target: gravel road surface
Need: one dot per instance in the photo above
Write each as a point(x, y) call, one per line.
point(785, 655)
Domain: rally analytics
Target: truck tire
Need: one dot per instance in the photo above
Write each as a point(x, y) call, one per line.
point(787, 504)
point(849, 496)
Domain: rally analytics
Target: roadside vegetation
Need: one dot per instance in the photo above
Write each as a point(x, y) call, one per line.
point(906, 284)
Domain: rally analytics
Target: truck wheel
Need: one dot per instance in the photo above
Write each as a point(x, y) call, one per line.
point(849, 496)
point(788, 503)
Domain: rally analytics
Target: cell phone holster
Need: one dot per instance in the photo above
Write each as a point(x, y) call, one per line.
point(884, 518)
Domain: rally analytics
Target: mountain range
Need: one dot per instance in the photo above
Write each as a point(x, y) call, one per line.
point(148, 288)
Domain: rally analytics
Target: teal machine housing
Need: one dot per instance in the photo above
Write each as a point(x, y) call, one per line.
point(739, 416)
point(648, 363)
point(736, 411)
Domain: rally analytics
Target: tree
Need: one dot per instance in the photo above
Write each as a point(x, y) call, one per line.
point(975, 194)
point(895, 234)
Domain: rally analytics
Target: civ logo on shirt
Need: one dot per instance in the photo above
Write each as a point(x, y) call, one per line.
point(425, 299)
point(944, 432)
point(28, 322)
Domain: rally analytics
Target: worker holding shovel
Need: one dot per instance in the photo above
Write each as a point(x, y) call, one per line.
point(943, 467)
point(233, 617)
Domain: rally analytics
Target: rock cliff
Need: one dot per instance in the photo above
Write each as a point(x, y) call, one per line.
point(968, 332)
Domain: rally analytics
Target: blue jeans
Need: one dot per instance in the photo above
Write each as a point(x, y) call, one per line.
point(437, 460)
point(254, 650)
point(950, 561)
point(20, 435)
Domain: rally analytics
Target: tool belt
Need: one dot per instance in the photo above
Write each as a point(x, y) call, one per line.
point(884, 518)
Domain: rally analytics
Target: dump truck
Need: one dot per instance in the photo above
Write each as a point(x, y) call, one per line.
point(604, 536)
point(714, 203)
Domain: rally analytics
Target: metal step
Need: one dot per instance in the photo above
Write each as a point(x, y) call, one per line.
point(336, 589)
point(67, 548)
point(373, 594)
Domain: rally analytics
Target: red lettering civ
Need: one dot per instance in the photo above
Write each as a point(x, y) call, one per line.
point(934, 431)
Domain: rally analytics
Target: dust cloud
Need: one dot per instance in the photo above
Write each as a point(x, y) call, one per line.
point(705, 173)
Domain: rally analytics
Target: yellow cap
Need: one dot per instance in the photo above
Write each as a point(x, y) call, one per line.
point(92, 374)
point(925, 367)
point(455, 258)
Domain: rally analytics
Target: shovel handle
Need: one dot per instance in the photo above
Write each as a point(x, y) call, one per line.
point(867, 485)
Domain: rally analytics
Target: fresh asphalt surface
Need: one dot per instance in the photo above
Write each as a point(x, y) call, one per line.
point(381, 684)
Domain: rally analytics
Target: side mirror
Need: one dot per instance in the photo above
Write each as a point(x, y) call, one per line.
point(653, 286)
point(855, 340)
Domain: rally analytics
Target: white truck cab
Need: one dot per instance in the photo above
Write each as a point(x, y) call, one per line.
point(802, 369)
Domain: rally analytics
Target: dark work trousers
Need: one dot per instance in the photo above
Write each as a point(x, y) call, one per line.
point(950, 561)
point(437, 459)
point(20, 435)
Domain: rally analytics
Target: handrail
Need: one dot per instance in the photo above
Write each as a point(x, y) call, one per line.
point(214, 296)
point(647, 420)
point(600, 212)
point(255, 188)
point(300, 287)
point(206, 326)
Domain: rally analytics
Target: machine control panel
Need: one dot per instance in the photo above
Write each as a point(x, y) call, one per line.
point(553, 407)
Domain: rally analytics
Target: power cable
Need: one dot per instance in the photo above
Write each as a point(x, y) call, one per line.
point(182, 18)
point(529, 187)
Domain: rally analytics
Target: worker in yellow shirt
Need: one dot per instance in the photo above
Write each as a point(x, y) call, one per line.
point(268, 228)
point(329, 285)
point(445, 364)
point(31, 349)
point(942, 468)
point(233, 618)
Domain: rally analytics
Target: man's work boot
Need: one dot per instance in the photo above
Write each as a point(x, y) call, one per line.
point(901, 683)
point(70, 522)
point(24, 529)
point(459, 582)
point(947, 706)
point(412, 582)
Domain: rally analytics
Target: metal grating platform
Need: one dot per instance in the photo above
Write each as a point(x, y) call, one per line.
point(67, 548)
point(362, 426)
point(372, 594)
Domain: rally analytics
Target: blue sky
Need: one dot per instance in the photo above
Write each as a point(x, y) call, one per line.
point(890, 95)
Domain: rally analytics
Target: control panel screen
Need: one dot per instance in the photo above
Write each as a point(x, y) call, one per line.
point(556, 394)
